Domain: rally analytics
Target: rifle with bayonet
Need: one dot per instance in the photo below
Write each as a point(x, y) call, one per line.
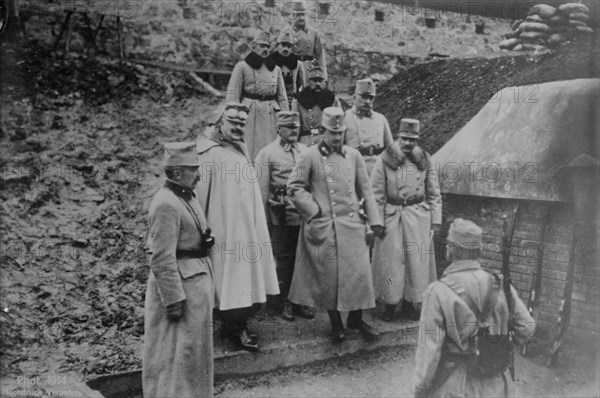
point(564, 312)
point(535, 291)
point(507, 238)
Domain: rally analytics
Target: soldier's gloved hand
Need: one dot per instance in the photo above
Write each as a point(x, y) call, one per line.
point(175, 310)
point(378, 230)
point(370, 238)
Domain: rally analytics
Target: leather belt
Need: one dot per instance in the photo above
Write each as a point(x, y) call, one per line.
point(259, 97)
point(306, 57)
point(404, 202)
point(180, 254)
point(370, 150)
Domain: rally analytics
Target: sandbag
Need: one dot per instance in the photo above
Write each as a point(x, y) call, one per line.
point(509, 44)
point(556, 39)
point(511, 35)
point(578, 16)
point(534, 18)
point(534, 27)
point(518, 47)
point(534, 36)
point(573, 7)
point(533, 47)
point(557, 20)
point(543, 10)
point(574, 23)
point(584, 29)
point(515, 25)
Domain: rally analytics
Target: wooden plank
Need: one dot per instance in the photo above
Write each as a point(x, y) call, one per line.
point(180, 68)
point(205, 85)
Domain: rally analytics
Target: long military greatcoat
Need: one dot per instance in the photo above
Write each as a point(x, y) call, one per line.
point(447, 327)
point(404, 260)
point(308, 44)
point(366, 131)
point(256, 77)
point(242, 257)
point(178, 355)
point(332, 268)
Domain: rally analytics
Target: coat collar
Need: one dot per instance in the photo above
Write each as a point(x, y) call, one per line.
point(286, 146)
point(180, 190)
point(290, 61)
point(362, 114)
point(326, 150)
point(255, 61)
point(462, 265)
point(309, 98)
point(393, 157)
point(213, 137)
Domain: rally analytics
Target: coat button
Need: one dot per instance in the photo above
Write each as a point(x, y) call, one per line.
point(333, 203)
point(351, 214)
point(332, 191)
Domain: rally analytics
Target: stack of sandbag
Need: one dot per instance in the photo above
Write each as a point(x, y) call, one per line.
point(547, 26)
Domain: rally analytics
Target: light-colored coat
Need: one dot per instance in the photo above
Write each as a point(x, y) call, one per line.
point(364, 131)
point(310, 120)
point(275, 164)
point(441, 331)
point(242, 257)
point(332, 268)
point(261, 125)
point(178, 355)
point(404, 260)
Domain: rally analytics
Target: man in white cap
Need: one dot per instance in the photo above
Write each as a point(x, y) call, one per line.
point(276, 162)
point(310, 104)
point(179, 294)
point(293, 71)
point(230, 195)
point(257, 82)
point(368, 131)
point(332, 262)
point(407, 191)
point(450, 360)
point(308, 45)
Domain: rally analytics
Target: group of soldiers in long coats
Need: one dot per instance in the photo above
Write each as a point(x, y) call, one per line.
point(249, 211)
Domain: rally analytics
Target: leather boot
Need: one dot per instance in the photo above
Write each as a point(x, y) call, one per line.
point(287, 313)
point(337, 327)
point(244, 342)
point(355, 321)
point(302, 311)
point(388, 313)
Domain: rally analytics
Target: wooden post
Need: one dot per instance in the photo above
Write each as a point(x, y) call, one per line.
point(69, 30)
point(121, 52)
point(63, 28)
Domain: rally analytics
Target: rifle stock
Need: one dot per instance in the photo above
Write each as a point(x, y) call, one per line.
point(507, 238)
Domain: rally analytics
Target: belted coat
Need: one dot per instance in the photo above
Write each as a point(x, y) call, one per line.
point(242, 256)
point(255, 77)
point(447, 327)
point(178, 355)
point(404, 260)
point(332, 269)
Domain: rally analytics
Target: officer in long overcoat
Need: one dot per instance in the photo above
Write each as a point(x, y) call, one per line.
point(257, 82)
point(242, 257)
point(409, 186)
point(178, 343)
point(445, 351)
point(332, 262)
point(368, 131)
point(292, 70)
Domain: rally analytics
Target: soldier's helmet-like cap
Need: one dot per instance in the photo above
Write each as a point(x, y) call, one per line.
point(288, 118)
point(365, 86)
point(285, 37)
point(262, 37)
point(333, 119)
point(299, 7)
point(409, 128)
point(181, 154)
point(316, 72)
point(465, 234)
point(236, 112)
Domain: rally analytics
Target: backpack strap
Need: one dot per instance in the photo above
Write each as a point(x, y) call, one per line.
point(490, 300)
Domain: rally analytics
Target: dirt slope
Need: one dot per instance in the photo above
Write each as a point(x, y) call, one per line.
point(446, 94)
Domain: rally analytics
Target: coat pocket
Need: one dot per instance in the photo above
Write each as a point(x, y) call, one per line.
point(390, 209)
point(276, 106)
point(191, 266)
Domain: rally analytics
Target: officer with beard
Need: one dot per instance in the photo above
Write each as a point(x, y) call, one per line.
point(312, 100)
point(293, 71)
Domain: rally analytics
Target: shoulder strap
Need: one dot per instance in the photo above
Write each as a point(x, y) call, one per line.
point(193, 214)
point(490, 300)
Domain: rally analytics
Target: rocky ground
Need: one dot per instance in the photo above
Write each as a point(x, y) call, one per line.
point(80, 143)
